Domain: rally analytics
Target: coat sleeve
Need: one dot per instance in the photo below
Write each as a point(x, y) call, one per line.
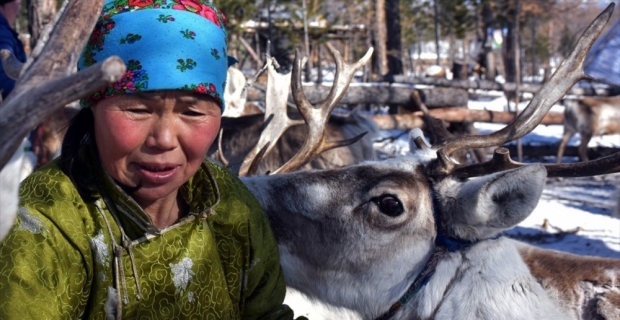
point(265, 289)
point(7, 39)
point(42, 275)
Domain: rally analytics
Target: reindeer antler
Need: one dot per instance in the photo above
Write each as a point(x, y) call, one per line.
point(568, 73)
point(46, 82)
point(317, 117)
point(276, 118)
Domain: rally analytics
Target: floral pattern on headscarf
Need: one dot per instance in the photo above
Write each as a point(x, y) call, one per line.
point(134, 79)
point(164, 47)
point(204, 88)
point(201, 7)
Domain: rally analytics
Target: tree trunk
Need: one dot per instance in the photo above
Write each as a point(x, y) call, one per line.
point(381, 38)
point(394, 47)
point(492, 85)
point(436, 19)
point(486, 54)
point(468, 115)
point(380, 94)
point(40, 13)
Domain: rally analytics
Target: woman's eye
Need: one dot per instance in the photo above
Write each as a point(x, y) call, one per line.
point(193, 113)
point(138, 111)
point(389, 205)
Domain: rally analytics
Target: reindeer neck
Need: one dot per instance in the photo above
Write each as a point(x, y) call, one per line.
point(444, 245)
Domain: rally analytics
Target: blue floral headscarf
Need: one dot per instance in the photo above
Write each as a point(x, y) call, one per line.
point(166, 45)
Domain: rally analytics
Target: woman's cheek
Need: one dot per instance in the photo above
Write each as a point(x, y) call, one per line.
point(202, 136)
point(125, 133)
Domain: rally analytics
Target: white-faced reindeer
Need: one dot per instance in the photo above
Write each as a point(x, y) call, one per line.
point(419, 237)
point(414, 237)
point(589, 117)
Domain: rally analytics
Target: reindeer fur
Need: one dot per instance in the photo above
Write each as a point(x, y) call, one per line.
point(586, 287)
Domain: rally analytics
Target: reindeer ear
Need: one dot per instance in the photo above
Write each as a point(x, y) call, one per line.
point(483, 207)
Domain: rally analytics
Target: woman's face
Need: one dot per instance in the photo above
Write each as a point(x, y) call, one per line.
point(153, 142)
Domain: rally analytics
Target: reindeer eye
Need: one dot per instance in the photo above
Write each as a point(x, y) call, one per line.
point(389, 205)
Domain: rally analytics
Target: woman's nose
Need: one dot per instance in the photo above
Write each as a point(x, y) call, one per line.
point(163, 134)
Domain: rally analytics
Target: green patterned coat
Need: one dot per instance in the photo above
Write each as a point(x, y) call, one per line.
point(66, 258)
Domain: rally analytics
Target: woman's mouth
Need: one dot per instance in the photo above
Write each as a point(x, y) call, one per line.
point(157, 174)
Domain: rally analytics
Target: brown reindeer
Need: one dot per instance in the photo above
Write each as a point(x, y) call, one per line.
point(241, 134)
point(589, 117)
point(239, 138)
point(49, 134)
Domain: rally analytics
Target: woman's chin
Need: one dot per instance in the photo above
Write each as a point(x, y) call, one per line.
point(149, 194)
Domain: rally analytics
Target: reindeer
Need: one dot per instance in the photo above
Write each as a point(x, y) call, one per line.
point(240, 135)
point(412, 237)
point(589, 117)
point(419, 237)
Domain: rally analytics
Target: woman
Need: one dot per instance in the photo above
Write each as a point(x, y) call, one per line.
point(132, 221)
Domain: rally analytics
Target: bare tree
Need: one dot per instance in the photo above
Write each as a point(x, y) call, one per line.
point(381, 38)
point(394, 47)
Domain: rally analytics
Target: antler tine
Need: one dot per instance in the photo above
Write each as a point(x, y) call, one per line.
point(568, 73)
point(501, 161)
point(46, 84)
point(276, 119)
point(342, 79)
point(219, 155)
point(317, 117)
point(435, 126)
point(604, 165)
